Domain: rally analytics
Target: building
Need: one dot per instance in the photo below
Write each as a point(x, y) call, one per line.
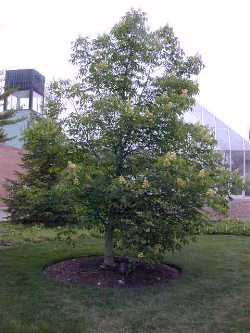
point(233, 147)
point(235, 151)
point(27, 98)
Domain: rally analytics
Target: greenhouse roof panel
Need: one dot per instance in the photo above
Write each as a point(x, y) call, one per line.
point(227, 138)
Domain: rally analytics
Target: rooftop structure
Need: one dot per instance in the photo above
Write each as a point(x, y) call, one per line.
point(26, 97)
point(28, 86)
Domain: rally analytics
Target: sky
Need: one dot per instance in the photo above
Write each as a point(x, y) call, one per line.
point(38, 34)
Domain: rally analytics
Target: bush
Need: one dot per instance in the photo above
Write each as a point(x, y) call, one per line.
point(229, 227)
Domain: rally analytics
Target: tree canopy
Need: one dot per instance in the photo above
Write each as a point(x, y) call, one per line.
point(140, 173)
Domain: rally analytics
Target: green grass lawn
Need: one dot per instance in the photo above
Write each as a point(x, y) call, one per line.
point(213, 296)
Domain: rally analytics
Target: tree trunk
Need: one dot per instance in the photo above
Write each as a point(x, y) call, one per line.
point(108, 247)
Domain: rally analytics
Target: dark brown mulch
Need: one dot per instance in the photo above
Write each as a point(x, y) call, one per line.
point(5, 244)
point(87, 271)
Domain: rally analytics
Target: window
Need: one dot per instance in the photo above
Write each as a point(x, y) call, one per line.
point(18, 100)
point(238, 164)
point(37, 102)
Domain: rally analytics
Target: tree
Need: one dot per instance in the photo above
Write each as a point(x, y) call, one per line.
point(32, 197)
point(141, 174)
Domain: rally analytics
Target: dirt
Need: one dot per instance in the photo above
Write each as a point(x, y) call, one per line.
point(88, 271)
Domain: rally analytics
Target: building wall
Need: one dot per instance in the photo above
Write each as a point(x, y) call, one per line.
point(10, 159)
point(15, 131)
point(240, 209)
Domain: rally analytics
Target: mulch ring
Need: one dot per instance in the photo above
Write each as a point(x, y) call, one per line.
point(87, 271)
point(6, 244)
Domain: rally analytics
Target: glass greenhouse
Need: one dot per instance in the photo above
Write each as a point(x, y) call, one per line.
point(235, 149)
